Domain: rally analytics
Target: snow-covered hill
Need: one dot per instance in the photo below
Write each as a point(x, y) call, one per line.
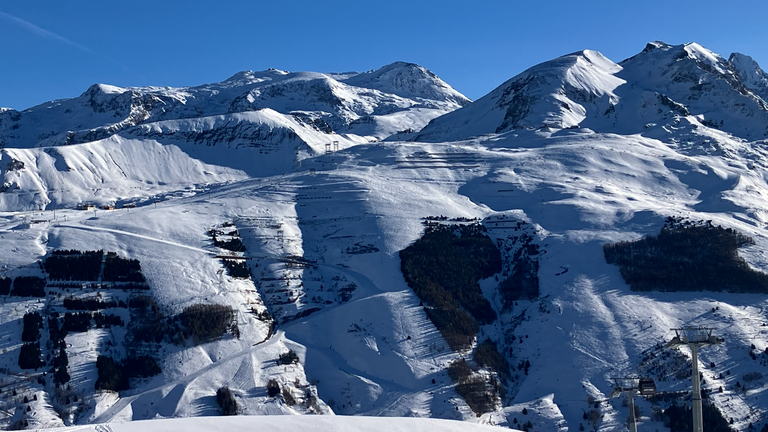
point(585, 89)
point(109, 171)
point(323, 230)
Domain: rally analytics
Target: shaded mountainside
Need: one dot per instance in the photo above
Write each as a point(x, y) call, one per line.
point(549, 94)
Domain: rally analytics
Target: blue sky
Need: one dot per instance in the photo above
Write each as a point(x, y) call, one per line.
point(56, 49)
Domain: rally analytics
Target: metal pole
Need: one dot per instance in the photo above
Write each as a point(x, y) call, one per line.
point(695, 338)
point(632, 422)
point(698, 420)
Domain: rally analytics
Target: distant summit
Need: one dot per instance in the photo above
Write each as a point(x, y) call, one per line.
point(370, 105)
point(408, 80)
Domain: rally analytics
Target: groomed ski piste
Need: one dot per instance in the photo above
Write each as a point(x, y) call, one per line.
point(364, 342)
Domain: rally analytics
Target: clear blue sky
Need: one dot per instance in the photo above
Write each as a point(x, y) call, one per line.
point(56, 49)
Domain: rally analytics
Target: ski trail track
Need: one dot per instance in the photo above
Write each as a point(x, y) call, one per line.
point(84, 226)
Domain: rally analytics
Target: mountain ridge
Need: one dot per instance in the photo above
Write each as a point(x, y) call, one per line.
point(346, 109)
point(657, 85)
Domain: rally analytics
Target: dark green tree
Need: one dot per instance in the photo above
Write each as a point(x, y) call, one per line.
point(226, 401)
point(29, 356)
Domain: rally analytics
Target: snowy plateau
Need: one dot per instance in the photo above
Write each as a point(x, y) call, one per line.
point(312, 184)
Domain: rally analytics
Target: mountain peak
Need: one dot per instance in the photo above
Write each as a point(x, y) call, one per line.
point(751, 74)
point(103, 89)
point(559, 93)
point(705, 57)
point(400, 64)
point(247, 77)
point(408, 80)
point(656, 45)
point(744, 62)
point(240, 76)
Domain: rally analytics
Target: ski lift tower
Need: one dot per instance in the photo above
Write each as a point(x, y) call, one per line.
point(695, 338)
point(631, 386)
point(327, 148)
point(335, 146)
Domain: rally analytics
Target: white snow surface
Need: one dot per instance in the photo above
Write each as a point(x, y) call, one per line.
point(350, 211)
point(288, 424)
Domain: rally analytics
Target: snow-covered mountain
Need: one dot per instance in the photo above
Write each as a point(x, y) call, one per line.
point(557, 162)
point(654, 87)
point(262, 123)
point(407, 80)
point(372, 105)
